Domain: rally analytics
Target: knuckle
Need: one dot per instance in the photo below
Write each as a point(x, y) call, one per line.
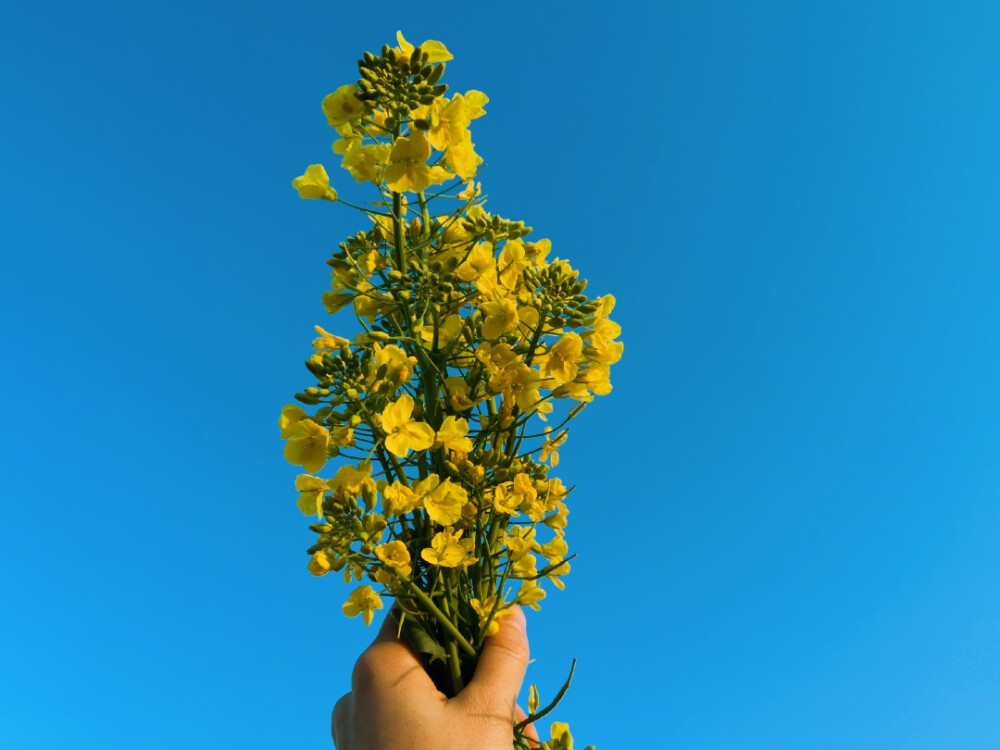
point(366, 671)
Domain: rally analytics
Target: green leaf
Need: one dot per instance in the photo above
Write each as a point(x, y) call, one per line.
point(420, 640)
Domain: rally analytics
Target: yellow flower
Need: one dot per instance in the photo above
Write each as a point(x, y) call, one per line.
point(447, 332)
point(403, 434)
point(350, 482)
point(398, 367)
point(523, 382)
point(452, 435)
point(519, 541)
point(290, 414)
point(557, 521)
point(315, 183)
point(398, 499)
point(474, 101)
point(484, 609)
point(443, 500)
point(458, 393)
point(319, 564)
point(445, 550)
point(336, 301)
point(343, 106)
point(561, 738)
point(436, 52)
point(561, 361)
point(462, 159)
point(395, 555)
point(512, 261)
point(550, 448)
point(363, 600)
point(328, 341)
point(504, 501)
point(449, 123)
point(501, 317)
point(530, 594)
point(307, 445)
point(311, 490)
point(408, 169)
point(367, 163)
point(555, 550)
point(479, 261)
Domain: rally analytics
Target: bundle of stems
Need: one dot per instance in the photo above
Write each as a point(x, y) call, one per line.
point(448, 408)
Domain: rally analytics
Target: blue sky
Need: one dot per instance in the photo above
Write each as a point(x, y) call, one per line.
point(787, 510)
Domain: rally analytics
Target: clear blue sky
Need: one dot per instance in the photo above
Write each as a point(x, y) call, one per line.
point(787, 512)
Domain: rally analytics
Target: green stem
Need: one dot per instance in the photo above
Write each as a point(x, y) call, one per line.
point(432, 608)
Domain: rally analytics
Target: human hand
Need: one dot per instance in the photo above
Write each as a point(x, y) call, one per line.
point(394, 705)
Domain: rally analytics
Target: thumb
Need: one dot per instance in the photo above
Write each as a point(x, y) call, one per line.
point(502, 664)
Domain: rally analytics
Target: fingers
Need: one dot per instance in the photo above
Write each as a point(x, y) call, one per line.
point(389, 663)
point(340, 724)
point(502, 665)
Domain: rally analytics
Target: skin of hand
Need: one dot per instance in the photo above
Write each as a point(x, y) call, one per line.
point(394, 705)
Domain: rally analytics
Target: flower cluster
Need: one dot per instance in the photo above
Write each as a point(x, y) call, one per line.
point(448, 411)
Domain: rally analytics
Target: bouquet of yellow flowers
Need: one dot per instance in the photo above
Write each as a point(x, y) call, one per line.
point(449, 408)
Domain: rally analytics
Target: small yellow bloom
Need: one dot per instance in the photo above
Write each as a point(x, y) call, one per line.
point(530, 594)
point(408, 169)
point(485, 609)
point(501, 317)
point(363, 600)
point(479, 261)
point(307, 445)
point(550, 448)
point(395, 555)
point(398, 499)
point(443, 500)
point(367, 163)
point(343, 106)
point(445, 551)
point(458, 393)
point(452, 435)
point(350, 482)
point(290, 414)
point(328, 341)
point(561, 361)
point(404, 434)
point(398, 367)
point(504, 501)
point(474, 101)
point(436, 52)
point(315, 183)
point(319, 564)
point(462, 159)
point(519, 540)
point(449, 123)
point(311, 490)
point(561, 738)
